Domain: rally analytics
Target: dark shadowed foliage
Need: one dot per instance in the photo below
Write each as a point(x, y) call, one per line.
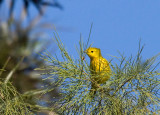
point(21, 88)
point(37, 3)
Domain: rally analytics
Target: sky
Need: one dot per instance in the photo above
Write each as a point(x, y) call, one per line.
point(118, 25)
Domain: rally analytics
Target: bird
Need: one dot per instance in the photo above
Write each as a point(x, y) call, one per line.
point(99, 68)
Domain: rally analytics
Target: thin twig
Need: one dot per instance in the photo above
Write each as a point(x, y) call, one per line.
point(123, 84)
point(13, 70)
point(5, 65)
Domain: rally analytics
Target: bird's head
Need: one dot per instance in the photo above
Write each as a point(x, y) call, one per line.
point(93, 52)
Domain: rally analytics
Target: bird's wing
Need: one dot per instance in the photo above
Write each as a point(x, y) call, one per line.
point(103, 64)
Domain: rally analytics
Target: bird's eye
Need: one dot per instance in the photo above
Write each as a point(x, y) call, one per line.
point(91, 51)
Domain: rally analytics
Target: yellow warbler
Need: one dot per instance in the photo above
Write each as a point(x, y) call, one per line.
point(99, 67)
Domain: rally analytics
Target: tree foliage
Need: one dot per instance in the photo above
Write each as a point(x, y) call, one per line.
point(134, 87)
point(11, 102)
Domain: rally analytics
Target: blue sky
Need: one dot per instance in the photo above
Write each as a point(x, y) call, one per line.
point(117, 24)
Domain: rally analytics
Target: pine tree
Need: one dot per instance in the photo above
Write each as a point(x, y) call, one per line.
point(134, 87)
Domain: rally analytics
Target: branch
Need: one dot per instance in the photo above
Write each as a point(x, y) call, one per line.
point(13, 70)
point(122, 84)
